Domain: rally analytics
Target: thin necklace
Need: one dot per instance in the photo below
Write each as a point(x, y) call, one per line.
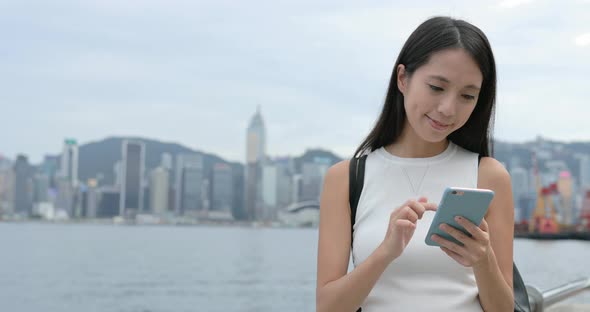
point(415, 190)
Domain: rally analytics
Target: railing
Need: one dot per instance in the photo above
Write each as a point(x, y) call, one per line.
point(541, 300)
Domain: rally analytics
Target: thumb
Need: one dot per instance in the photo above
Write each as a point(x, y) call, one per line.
point(431, 206)
point(427, 205)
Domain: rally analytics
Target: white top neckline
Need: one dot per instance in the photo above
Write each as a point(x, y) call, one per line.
point(448, 152)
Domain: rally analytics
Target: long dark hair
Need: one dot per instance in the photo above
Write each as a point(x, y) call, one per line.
point(436, 34)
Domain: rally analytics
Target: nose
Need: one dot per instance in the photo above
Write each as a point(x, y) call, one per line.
point(447, 106)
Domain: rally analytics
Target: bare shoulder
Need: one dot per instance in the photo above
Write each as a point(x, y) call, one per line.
point(335, 190)
point(492, 174)
point(336, 180)
point(339, 169)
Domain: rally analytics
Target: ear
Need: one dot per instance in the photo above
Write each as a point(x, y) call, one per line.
point(402, 81)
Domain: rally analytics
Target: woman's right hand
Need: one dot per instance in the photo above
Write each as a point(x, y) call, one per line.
point(402, 223)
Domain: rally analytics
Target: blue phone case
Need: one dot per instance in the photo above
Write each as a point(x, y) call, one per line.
point(472, 204)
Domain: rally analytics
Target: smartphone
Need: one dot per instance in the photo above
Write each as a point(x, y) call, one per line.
point(469, 203)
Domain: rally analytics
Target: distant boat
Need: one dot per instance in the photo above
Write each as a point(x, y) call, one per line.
point(554, 236)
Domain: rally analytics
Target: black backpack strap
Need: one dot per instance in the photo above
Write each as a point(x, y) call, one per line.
point(521, 297)
point(352, 169)
point(355, 186)
point(356, 180)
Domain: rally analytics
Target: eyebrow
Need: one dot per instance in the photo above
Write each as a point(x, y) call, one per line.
point(443, 79)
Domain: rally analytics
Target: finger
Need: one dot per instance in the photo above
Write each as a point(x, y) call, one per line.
point(457, 257)
point(405, 223)
point(443, 242)
point(427, 206)
point(409, 214)
point(417, 207)
point(430, 206)
point(475, 231)
point(456, 234)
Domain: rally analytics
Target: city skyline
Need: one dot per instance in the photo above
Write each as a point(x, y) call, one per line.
point(59, 146)
point(190, 72)
point(270, 186)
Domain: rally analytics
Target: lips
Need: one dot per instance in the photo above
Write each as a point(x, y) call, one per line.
point(437, 125)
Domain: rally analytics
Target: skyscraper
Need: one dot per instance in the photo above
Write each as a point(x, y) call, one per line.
point(285, 171)
point(69, 161)
point(118, 173)
point(109, 202)
point(92, 199)
point(255, 157)
point(40, 188)
point(6, 188)
point(313, 177)
point(50, 167)
point(238, 189)
point(222, 188)
point(269, 192)
point(296, 187)
point(65, 201)
point(132, 172)
point(23, 186)
point(159, 186)
point(189, 184)
point(5, 163)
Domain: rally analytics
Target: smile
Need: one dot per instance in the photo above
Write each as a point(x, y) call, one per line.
point(437, 125)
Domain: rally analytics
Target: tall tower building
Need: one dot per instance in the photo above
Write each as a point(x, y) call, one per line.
point(222, 188)
point(313, 174)
point(269, 191)
point(51, 168)
point(132, 172)
point(23, 186)
point(69, 161)
point(255, 157)
point(40, 188)
point(6, 187)
point(92, 198)
point(159, 186)
point(285, 170)
point(189, 184)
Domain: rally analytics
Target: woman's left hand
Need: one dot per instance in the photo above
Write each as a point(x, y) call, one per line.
point(475, 249)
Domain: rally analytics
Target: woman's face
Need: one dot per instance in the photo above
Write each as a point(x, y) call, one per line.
point(440, 95)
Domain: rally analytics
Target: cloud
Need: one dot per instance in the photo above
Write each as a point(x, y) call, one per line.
point(194, 72)
point(509, 4)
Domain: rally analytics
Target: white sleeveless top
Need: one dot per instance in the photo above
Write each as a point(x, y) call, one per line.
point(423, 278)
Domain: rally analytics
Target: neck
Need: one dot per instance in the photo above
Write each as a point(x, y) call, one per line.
point(410, 145)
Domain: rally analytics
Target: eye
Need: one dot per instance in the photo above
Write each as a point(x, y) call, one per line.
point(435, 88)
point(468, 97)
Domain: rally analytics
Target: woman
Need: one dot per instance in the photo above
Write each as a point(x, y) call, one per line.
point(433, 132)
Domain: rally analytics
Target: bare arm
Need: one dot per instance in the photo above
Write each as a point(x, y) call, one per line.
point(494, 273)
point(336, 290)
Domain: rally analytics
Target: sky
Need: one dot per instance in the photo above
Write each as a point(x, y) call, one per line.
point(194, 72)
